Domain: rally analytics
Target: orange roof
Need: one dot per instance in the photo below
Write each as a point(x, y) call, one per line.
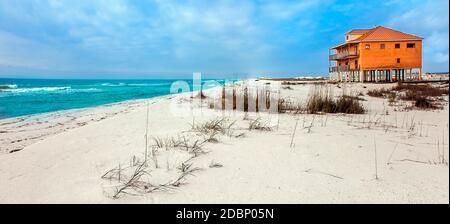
point(358, 31)
point(378, 33)
point(381, 33)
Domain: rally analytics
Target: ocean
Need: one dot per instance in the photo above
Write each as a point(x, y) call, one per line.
point(20, 97)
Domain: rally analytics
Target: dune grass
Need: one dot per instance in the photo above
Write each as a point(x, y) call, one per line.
point(321, 100)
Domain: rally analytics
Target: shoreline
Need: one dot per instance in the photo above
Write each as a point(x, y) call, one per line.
point(71, 119)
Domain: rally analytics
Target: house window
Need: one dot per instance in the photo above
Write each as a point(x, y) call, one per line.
point(397, 45)
point(411, 45)
point(382, 46)
point(367, 46)
point(398, 60)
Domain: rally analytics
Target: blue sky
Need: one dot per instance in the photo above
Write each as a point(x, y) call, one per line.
point(154, 38)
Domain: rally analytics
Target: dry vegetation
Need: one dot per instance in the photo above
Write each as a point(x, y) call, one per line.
point(423, 96)
point(321, 100)
point(382, 93)
point(138, 177)
point(257, 124)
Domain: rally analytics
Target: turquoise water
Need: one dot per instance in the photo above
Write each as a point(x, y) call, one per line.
point(20, 97)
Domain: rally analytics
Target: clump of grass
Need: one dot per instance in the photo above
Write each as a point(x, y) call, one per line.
point(214, 127)
point(392, 98)
point(422, 90)
point(129, 184)
point(349, 105)
point(292, 83)
point(322, 101)
point(421, 95)
point(257, 124)
point(215, 165)
point(187, 167)
point(380, 93)
point(165, 143)
point(191, 145)
point(194, 146)
point(424, 103)
point(413, 92)
point(200, 95)
point(135, 179)
point(354, 97)
point(288, 106)
point(186, 170)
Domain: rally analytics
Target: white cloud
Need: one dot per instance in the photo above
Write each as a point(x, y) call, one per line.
point(287, 10)
point(17, 51)
point(182, 36)
point(428, 19)
point(440, 57)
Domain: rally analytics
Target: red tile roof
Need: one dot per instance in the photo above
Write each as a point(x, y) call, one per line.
point(381, 33)
point(358, 31)
point(378, 33)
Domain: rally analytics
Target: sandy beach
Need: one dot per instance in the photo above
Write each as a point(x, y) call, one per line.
point(389, 154)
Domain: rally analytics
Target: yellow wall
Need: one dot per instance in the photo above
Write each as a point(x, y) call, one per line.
point(350, 37)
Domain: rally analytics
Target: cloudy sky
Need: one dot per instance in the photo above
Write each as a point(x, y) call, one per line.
point(164, 38)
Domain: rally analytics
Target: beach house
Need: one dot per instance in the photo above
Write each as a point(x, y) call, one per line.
point(376, 55)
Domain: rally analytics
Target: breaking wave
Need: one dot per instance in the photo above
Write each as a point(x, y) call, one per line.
point(37, 89)
point(113, 85)
point(8, 86)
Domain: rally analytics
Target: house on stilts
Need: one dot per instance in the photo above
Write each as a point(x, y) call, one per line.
point(377, 55)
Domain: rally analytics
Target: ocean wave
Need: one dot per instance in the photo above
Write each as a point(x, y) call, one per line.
point(37, 89)
point(148, 84)
point(89, 90)
point(8, 86)
point(113, 85)
point(133, 84)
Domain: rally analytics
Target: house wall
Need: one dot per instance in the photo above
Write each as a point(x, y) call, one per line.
point(353, 62)
point(350, 37)
point(348, 48)
point(375, 57)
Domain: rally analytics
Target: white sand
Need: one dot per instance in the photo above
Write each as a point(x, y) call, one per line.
point(331, 162)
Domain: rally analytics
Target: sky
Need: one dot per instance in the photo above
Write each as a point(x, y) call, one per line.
point(165, 38)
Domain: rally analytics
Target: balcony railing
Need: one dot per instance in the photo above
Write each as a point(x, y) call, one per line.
point(343, 68)
point(344, 55)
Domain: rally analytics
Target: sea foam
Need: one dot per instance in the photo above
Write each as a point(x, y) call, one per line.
point(8, 86)
point(37, 89)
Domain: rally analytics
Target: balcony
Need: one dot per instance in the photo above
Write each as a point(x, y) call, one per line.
point(343, 68)
point(344, 55)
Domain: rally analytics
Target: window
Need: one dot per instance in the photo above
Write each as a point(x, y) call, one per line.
point(411, 45)
point(397, 45)
point(367, 46)
point(382, 46)
point(398, 60)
